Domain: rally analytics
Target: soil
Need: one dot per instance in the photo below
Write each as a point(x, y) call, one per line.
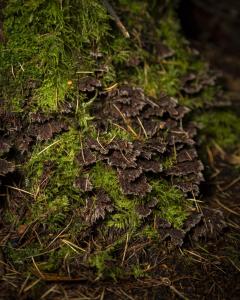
point(207, 267)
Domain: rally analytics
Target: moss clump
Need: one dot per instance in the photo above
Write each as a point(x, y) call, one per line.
point(20, 256)
point(154, 73)
point(51, 173)
point(105, 260)
point(172, 204)
point(47, 42)
point(126, 216)
point(221, 127)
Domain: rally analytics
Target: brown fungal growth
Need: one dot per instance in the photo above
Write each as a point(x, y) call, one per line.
point(154, 141)
point(97, 207)
point(86, 157)
point(4, 146)
point(158, 135)
point(6, 167)
point(193, 84)
point(129, 174)
point(138, 187)
point(84, 184)
point(88, 84)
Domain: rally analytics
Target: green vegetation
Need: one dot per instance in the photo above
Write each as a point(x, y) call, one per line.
point(220, 127)
point(202, 100)
point(171, 203)
point(47, 42)
point(154, 74)
point(52, 170)
point(126, 216)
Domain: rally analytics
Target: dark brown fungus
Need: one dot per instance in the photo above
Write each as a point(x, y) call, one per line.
point(150, 165)
point(211, 225)
point(123, 160)
point(39, 117)
point(163, 52)
point(129, 174)
point(97, 207)
point(143, 211)
point(84, 184)
point(86, 157)
point(185, 168)
point(22, 143)
point(6, 167)
point(45, 131)
point(187, 187)
point(179, 136)
point(139, 187)
point(186, 155)
point(96, 145)
point(4, 146)
point(88, 84)
point(192, 221)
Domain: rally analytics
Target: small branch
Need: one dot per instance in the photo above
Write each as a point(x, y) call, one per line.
point(116, 18)
point(125, 250)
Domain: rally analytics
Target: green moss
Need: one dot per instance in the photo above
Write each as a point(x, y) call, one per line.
point(154, 75)
point(172, 204)
point(125, 216)
point(113, 132)
point(106, 260)
point(138, 271)
point(52, 262)
point(47, 261)
point(49, 41)
point(22, 255)
point(46, 41)
point(106, 178)
point(136, 7)
point(221, 127)
point(11, 217)
point(206, 97)
point(99, 261)
point(168, 162)
point(119, 133)
point(105, 265)
point(53, 187)
point(156, 79)
point(150, 232)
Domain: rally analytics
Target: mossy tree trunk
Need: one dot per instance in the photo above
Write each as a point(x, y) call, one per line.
point(94, 104)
